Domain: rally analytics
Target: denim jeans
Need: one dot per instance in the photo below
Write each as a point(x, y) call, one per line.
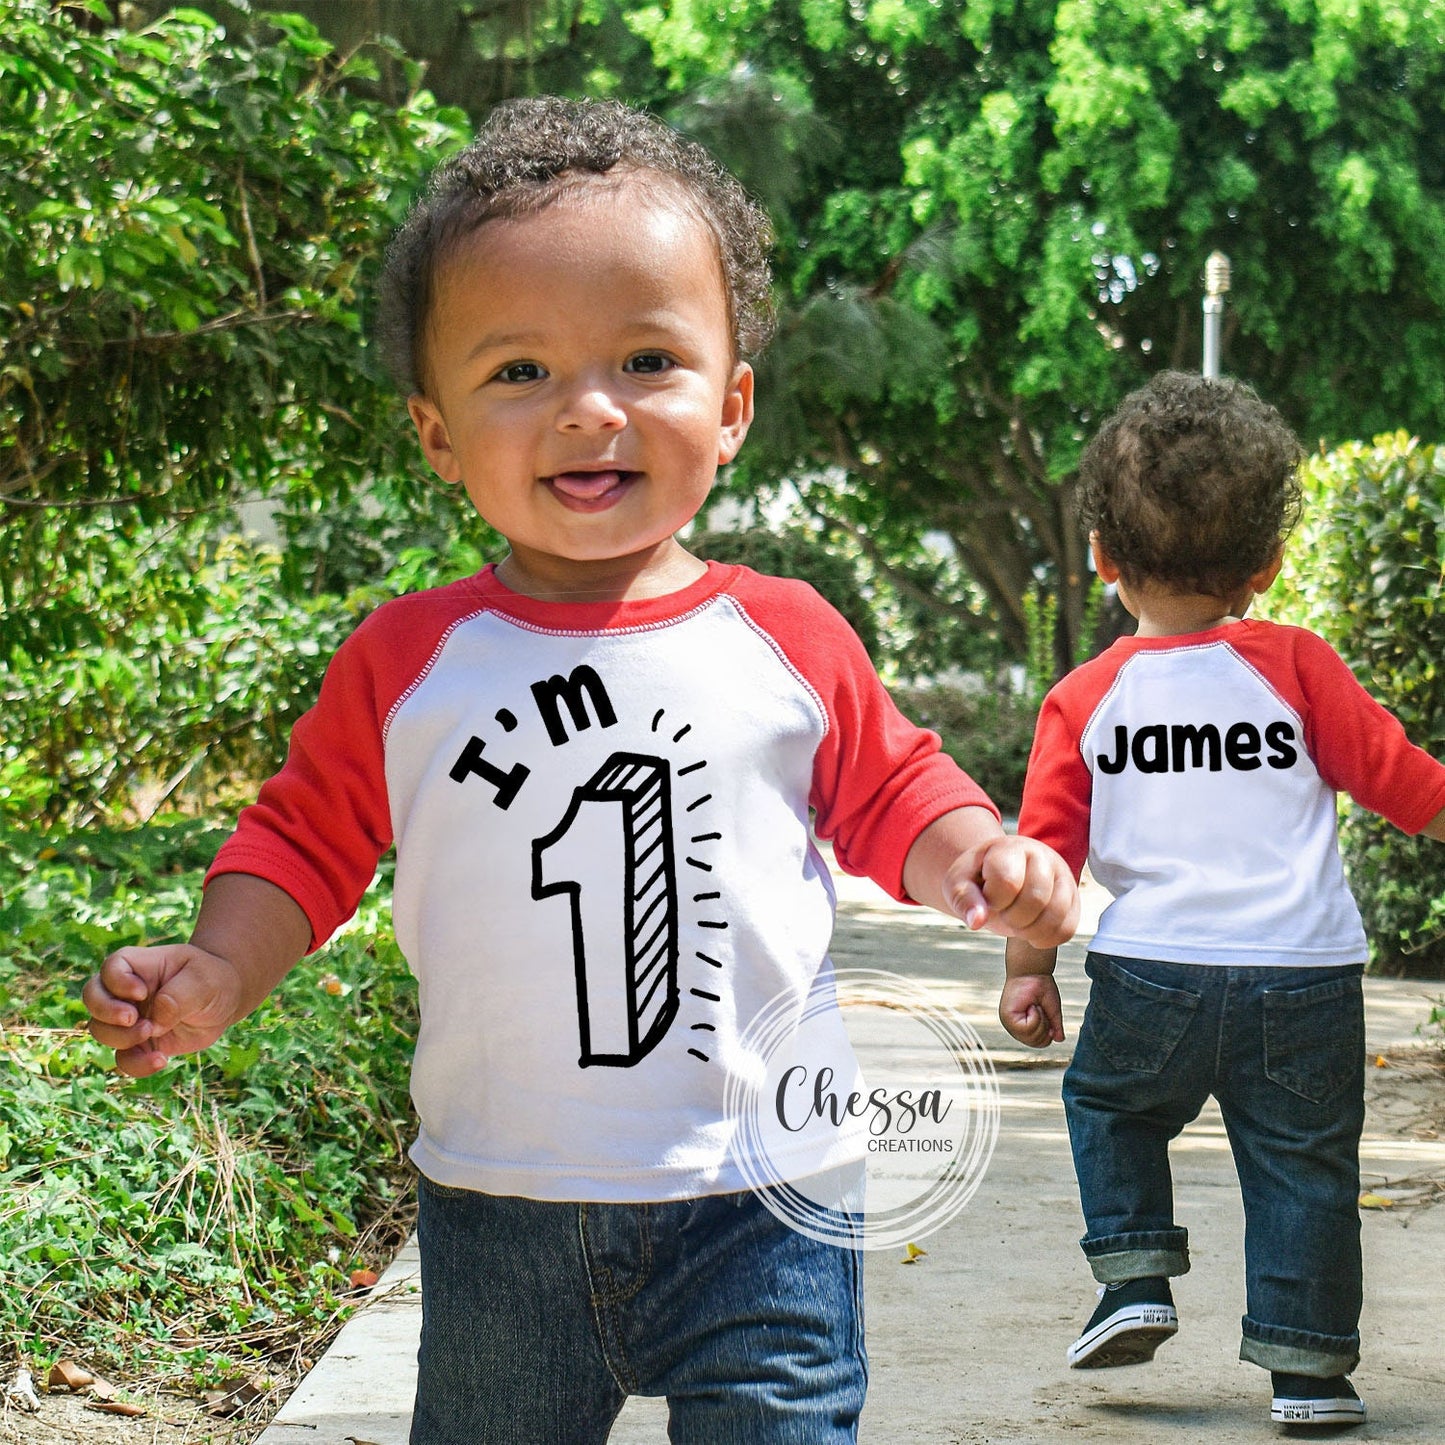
point(1283, 1051)
point(539, 1319)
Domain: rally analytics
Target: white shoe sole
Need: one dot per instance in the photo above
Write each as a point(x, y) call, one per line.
point(1340, 1411)
point(1128, 1337)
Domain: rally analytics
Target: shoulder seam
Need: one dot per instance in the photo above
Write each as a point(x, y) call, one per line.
point(782, 657)
point(426, 668)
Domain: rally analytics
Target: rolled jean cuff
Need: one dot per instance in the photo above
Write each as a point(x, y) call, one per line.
point(1298, 1352)
point(1115, 1258)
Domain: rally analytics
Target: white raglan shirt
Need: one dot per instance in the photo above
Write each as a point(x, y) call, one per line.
point(605, 868)
point(1197, 775)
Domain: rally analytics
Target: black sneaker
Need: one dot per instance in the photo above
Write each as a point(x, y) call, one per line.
point(1309, 1400)
point(1133, 1319)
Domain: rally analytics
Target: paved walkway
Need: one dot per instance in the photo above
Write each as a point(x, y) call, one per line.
point(967, 1345)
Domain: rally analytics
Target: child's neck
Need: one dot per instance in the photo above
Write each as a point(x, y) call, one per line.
point(1162, 613)
point(657, 572)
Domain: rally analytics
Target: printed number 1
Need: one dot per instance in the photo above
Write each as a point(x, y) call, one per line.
point(617, 835)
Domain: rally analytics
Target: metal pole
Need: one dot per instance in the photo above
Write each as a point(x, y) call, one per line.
point(1216, 283)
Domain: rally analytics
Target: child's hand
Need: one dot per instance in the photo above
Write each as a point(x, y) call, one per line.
point(1015, 886)
point(1030, 1009)
point(151, 1003)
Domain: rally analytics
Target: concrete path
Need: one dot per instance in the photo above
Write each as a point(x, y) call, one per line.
point(967, 1345)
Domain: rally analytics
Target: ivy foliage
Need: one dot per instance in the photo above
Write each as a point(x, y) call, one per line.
point(1367, 571)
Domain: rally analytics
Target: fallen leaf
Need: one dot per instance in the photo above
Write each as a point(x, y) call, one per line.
point(101, 1389)
point(1381, 1062)
point(912, 1253)
point(363, 1278)
point(67, 1375)
point(232, 1396)
point(1375, 1201)
point(357, 1440)
point(116, 1407)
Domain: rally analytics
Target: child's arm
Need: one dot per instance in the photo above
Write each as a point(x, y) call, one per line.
point(151, 1003)
point(1435, 828)
point(965, 864)
point(1030, 1007)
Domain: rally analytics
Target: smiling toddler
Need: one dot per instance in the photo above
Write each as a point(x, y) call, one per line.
point(597, 761)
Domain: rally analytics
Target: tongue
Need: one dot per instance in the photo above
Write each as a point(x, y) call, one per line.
point(586, 486)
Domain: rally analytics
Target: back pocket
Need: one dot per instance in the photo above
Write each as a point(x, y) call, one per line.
point(1314, 1037)
point(1136, 1024)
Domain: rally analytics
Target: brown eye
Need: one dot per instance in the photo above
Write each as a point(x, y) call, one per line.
point(649, 363)
point(521, 371)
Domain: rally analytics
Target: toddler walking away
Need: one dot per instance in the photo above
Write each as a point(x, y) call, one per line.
point(596, 760)
point(1195, 766)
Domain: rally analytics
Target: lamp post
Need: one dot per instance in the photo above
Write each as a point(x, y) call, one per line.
point(1216, 283)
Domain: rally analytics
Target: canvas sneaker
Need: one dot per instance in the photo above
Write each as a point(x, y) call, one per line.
point(1132, 1320)
point(1309, 1400)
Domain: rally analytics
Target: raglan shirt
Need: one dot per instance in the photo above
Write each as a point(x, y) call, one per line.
point(605, 869)
point(1197, 776)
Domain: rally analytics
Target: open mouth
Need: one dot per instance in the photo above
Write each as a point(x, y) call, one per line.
point(589, 490)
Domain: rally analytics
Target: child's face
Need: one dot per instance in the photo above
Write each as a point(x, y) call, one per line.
point(584, 387)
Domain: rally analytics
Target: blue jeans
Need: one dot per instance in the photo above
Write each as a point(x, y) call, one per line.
point(1283, 1051)
point(539, 1319)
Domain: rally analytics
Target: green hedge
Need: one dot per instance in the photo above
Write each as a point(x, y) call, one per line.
point(1367, 571)
point(987, 733)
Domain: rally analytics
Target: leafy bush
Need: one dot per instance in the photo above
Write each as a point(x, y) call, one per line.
point(188, 226)
point(988, 733)
point(178, 1228)
point(1367, 571)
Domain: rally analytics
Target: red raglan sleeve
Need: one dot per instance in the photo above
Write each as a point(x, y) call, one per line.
point(1359, 747)
point(878, 779)
point(1058, 788)
point(319, 825)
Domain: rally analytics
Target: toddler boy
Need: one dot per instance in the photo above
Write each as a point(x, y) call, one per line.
point(597, 761)
point(1195, 767)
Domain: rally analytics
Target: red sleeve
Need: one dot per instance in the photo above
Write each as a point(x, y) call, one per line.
point(319, 826)
point(1359, 747)
point(1058, 789)
point(878, 779)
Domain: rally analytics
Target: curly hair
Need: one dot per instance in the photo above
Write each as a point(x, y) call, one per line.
point(1192, 483)
point(529, 154)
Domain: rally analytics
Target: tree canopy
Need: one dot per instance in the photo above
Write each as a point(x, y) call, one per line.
point(994, 219)
point(1009, 226)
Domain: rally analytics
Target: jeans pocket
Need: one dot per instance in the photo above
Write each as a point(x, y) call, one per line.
point(1314, 1036)
point(1136, 1023)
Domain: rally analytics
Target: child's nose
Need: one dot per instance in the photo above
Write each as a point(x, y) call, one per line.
point(590, 406)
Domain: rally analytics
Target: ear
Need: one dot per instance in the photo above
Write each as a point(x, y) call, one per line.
point(435, 439)
point(737, 413)
point(1263, 580)
point(1104, 564)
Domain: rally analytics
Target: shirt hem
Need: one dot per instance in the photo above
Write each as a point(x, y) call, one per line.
point(1238, 955)
point(630, 1184)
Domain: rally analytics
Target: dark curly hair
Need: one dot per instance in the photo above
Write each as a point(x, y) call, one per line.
point(527, 155)
point(1192, 483)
